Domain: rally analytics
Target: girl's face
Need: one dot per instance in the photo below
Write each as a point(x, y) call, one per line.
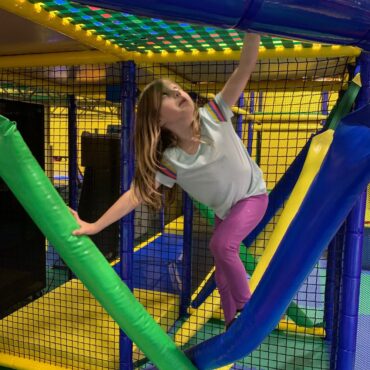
point(177, 108)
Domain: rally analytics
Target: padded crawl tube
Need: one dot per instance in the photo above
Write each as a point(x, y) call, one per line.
point(343, 176)
point(344, 22)
point(33, 189)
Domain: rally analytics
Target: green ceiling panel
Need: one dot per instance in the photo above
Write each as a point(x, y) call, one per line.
point(141, 34)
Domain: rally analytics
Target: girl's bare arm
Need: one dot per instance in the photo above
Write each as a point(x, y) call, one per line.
point(123, 206)
point(236, 83)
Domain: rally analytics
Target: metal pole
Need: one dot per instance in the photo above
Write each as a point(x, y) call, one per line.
point(239, 121)
point(128, 89)
point(72, 146)
point(250, 123)
point(348, 319)
point(331, 257)
point(259, 133)
point(186, 258)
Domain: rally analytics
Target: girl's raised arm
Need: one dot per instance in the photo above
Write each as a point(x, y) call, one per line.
point(237, 81)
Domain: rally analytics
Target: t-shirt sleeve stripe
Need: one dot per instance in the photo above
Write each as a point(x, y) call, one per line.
point(215, 111)
point(167, 170)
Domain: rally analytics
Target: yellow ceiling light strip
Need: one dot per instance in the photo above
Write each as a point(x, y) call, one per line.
point(333, 51)
point(197, 56)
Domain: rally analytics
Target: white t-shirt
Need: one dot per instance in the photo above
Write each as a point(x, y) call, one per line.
point(221, 172)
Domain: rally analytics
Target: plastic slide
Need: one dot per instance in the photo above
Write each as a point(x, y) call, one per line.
point(323, 197)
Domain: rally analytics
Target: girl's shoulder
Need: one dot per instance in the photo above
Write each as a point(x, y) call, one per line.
point(170, 154)
point(216, 110)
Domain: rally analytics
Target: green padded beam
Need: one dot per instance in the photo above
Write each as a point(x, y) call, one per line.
point(27, 180)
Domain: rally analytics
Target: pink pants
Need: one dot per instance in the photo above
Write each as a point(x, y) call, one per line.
point(231, 277)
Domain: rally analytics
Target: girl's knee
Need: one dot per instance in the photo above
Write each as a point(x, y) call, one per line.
point(221, 248)
point(216, 244)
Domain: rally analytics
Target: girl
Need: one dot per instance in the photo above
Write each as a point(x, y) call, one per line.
point(198, 148)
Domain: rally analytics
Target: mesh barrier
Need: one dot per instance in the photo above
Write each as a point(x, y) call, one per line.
point(58, 322)
point(363, 347)
point(366, 250)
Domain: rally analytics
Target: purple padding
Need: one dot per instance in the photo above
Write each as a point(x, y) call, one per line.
point(312, 292)
point(158, 266)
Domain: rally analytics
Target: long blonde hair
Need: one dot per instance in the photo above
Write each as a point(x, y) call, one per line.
point(151, 141)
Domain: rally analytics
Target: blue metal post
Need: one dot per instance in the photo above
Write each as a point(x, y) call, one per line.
point(162, 218)
point(239, 121)
point(250, 123)
point(259, 132)
point(351, 276)
point(325, 105)
point(333, 292)
point(186, 257)
point(72, 147)
point(331, 257)
point(187, 208)
point(348, 319)
point(128, 89)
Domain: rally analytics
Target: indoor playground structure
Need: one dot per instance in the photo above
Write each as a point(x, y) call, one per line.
point(141, 294)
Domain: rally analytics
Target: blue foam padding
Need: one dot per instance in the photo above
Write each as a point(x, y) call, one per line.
point(158, 266)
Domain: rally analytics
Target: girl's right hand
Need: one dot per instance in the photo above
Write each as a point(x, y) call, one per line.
point(86, 228)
